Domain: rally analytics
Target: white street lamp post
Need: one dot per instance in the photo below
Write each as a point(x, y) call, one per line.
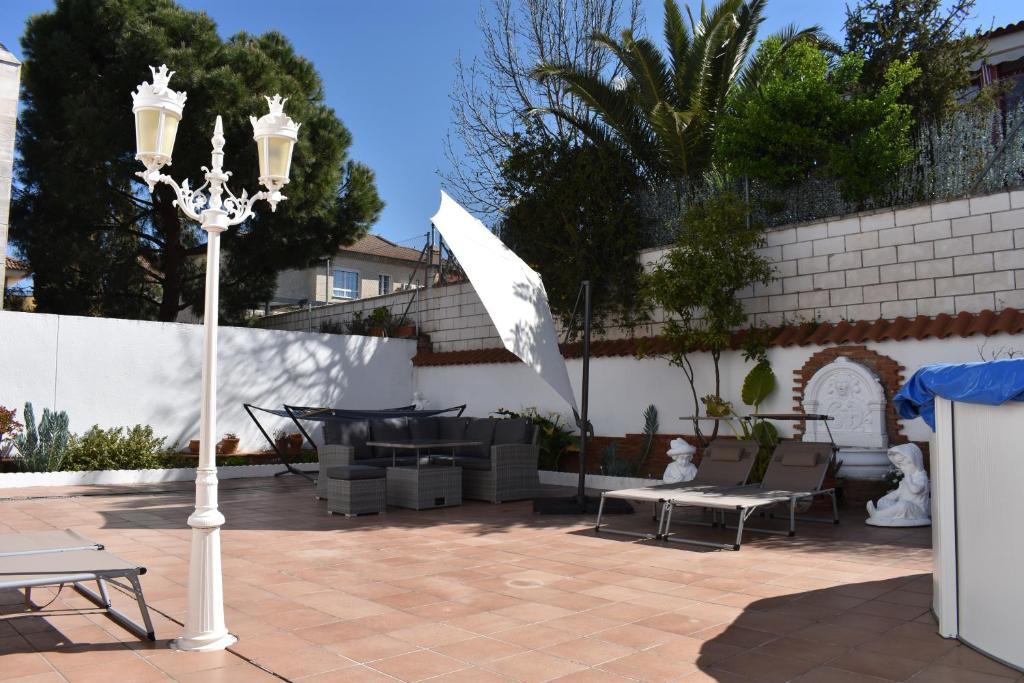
point(157, 111)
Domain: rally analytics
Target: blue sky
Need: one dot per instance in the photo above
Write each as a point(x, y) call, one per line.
point(388, 70)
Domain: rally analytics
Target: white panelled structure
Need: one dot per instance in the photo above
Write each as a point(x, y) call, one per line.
point(977, 470)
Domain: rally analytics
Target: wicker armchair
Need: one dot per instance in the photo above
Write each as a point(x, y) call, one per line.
point(331, 455)
point(513, 474)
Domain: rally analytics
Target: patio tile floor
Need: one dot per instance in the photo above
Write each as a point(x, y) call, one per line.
point(483, 593)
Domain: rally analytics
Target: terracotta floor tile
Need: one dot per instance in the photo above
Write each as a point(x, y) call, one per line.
point(431, 635)
point(355, 674)
point(417, 666)
point(370, 648)
point(133, 670)
point(828, 674)
point(478, 650)
point(473, 675)
point(941, 673)
point(680, 624)
point(23, 664)
point(239, 673)
point(592, 676)
point(303, 662)
point(764, 667)
point(964, 657)
point(880, 665)
point(637, 636)
point(589, 651)
point(649, 667)
point(534, 667)
point(533, 636)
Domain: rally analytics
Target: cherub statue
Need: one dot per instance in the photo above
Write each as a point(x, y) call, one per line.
point(680, 469)
point(910, 503)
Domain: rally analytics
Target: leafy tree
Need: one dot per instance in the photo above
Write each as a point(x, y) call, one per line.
point(696, 284)
point(494, 93)
point(890, 31)
point(810, 115)
point(573, 214)
point(98, 241)
point(665, 109)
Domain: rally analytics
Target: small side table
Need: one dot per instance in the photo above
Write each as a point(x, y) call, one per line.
point(356, 490)
point(424, 487)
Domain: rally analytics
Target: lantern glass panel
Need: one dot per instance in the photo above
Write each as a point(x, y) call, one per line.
point(261, 150)
point(147, 128)
point(169, 133)
point(280, 156)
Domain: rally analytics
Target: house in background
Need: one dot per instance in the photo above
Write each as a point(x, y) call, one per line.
point(1004, 61)
point(14, 293)
point(371, 267)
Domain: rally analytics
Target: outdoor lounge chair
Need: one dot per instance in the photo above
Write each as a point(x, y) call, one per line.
point(795, 473)
point(725, 464)
point(55, 558)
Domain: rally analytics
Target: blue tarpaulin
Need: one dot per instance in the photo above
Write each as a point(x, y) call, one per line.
point(990, 383)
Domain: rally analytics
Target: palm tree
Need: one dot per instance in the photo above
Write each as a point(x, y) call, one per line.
point(664, 111)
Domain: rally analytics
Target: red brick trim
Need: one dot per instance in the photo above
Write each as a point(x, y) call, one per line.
point(889, 372)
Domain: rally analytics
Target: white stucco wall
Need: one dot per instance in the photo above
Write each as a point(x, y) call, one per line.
point(622, 387)
point(123, 372)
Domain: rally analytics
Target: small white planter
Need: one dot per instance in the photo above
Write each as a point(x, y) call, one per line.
point(597, 482)
point(18, 480)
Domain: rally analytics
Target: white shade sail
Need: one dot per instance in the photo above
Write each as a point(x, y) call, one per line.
point(510, 290)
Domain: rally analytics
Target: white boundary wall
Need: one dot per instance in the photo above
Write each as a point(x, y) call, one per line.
point(116, 373)
point(622, 387)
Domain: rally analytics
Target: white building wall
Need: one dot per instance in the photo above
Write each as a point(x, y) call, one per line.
point(123, 372)
point(622, 387)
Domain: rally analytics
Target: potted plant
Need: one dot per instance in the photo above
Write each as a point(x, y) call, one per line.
point(193, 446)
point(380, 322)
point(403, 329)
point(228, 445)
point(281, 440)
point(295, 440)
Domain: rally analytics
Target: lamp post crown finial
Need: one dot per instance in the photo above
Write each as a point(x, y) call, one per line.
point(276, 103)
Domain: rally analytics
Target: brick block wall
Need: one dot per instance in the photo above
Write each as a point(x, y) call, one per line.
point(944, 257)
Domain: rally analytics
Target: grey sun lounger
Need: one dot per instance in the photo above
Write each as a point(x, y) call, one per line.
point(55, 558)
point(795, 474)
point(725, 464)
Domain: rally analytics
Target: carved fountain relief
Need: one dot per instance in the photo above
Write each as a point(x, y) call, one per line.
point(853, 395)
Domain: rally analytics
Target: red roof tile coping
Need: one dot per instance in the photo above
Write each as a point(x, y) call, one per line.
point(1009, 321)
point(375, 245)
point(15, 264)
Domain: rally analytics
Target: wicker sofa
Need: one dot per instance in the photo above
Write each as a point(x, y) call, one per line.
point(503, 468)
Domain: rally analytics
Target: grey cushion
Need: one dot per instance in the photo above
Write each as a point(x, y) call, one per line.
point(469, 462)
point(515, 430)
point(726, 452)
point(402, 459)
point(451, 427)
point(352, 433)
point(391, 429)
point(424, 428)
point(479, 429)
point(352, 472)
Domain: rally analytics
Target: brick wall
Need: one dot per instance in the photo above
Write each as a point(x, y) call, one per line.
point(452, 316)
point(945, 257)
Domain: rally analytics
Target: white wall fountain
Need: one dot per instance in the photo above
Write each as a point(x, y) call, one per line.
point(852, 394)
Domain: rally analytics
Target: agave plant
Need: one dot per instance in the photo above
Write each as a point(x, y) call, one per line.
point(664, 110)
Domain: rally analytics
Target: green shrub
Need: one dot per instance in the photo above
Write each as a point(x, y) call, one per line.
point(43, 448)
point(118, 448)
point(554, 438)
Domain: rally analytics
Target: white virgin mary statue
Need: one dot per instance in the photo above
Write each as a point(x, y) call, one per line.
point(910, 503)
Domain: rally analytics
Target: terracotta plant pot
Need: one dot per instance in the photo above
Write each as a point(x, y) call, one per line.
point(295, 443)
point(406, 331)
point(378, 332)
point(193, 446)
point(282, 444)
point(227, 446)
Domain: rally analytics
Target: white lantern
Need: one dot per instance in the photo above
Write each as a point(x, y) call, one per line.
point(275, 135)
point(157, 111)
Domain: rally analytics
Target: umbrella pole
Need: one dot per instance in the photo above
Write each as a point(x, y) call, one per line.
point(581, 495)
point(580, 504)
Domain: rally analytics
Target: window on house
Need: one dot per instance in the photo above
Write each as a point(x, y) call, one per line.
point(346, 284)
point(384, 284)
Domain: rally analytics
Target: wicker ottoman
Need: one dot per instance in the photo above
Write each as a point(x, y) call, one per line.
point(425, 487)
point(356, 490)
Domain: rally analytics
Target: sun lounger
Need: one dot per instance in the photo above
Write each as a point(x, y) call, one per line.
point(55, 558)
point(795, 474)
point(725, 463)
